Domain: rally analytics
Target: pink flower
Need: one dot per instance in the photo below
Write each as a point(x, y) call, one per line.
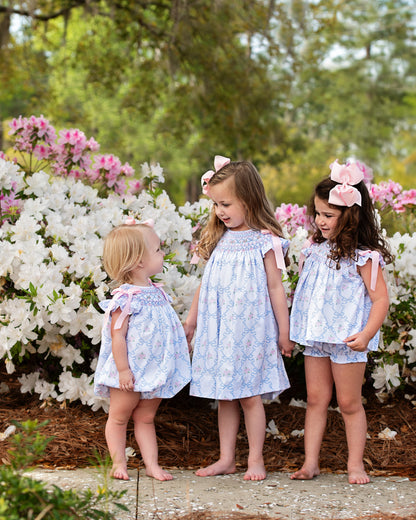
point(292, 216)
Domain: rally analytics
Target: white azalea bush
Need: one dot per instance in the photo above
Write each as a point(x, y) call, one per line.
point(51, 277)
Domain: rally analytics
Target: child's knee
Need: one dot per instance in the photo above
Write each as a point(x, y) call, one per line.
point(146, 416)
point(350, 406)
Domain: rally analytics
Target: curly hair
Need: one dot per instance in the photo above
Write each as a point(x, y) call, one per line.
point(357, 226)
point(248, 188)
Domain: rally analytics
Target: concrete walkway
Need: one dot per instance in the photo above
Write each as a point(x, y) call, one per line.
point(328, 496)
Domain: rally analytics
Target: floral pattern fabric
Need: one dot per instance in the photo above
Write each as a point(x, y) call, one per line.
point(330, 304)
point(236, 353)
point(156, 346)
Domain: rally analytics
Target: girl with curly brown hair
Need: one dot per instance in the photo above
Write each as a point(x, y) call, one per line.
point(339, 305)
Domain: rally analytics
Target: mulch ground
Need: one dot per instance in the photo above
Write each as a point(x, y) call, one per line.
point(188, 436)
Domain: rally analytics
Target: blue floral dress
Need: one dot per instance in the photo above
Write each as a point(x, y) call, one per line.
point(331, 304)
point(157, 349)
point(236, 353)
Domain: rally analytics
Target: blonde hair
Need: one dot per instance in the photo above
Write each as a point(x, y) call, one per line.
point(124, 247)
point(248, 188)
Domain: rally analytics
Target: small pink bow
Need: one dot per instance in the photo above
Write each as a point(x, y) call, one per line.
point(219, 162)
point(113, 304)
point(149, 222)
point(344, 194)
point(131, 221)
point(278, 251)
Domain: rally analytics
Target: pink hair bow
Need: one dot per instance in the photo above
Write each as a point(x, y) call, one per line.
point(131, 221)
point(149, 222)
point(219, 162)
point(347, 175)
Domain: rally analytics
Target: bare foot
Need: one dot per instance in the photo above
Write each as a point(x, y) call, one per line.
point(255, 471)
point(158, 473)
point(120, 472)
point(305, 473)
point(358, 476)
point(218, 468)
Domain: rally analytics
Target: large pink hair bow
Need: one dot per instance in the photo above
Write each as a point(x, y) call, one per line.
point(219, 162)
point(344, 194)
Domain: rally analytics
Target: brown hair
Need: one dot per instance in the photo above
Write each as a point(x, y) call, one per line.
point(124, 247)
point(248, 188)
point(357, 226)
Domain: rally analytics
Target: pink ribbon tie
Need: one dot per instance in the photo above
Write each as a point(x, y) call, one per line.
point(113, 304)
point(375, 260)
point(278, 251)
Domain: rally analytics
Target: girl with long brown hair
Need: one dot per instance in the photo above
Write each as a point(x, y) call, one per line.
point(240, 311)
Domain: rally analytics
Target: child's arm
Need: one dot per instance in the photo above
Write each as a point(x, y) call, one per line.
point(119, 349)
point(190, 322)
point(278, 299)
point(378, 312)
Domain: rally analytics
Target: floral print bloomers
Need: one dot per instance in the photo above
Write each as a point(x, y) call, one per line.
point(236, 354)
point(156, 345)
point(331, 304)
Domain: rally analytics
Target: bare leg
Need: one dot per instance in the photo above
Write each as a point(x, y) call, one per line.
point(145, 433)
point(228, 423)
point(121, 406)
point(319, 385)
point(255, 419)
point(348, 382)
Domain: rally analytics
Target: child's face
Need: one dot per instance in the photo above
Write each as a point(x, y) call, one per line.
point(326, 217)
point(152, 261)
point(228, 208)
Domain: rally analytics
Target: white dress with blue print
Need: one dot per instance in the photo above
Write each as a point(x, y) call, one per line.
point(157, 349)
point(236, 354)
point(331, 304)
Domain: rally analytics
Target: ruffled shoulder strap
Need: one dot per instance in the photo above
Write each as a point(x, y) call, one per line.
point(278, 245)
point(376, 260)
point(308, 242)
point(115, 302)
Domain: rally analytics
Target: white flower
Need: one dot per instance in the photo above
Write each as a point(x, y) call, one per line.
point(130, 452)
point(45, 389)
point(273, 430)
point(10, 430)
point(386, 376)
point(69, 355)
point(28, 382)
point(297, 433)
point(387, 434)
point(10, 368)
point(297, 403)
point(11, 176)
point(38, 184)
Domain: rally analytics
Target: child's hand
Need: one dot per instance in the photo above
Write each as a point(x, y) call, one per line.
point(126, 380)
point(358, 341)
point(286, 346)
point(189, 333)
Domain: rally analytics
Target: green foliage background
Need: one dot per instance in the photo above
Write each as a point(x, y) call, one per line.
point(288, 84)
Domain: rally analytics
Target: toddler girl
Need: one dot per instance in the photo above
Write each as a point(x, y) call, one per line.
point(144, 354)
point(240, 311)
point(339, 305)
